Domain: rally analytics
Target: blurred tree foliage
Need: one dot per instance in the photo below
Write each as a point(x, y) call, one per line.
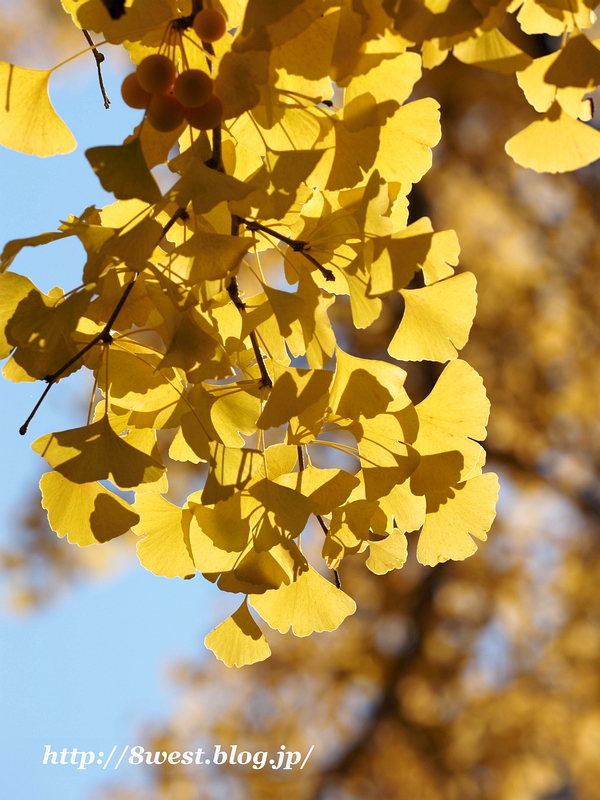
point(477, 679)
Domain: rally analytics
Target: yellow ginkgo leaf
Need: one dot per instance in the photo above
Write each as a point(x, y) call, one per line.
point(165, 547)
point(294, 392)
point(406, 140)
point(437, 320)
point(451, 417)
point(94, 453)
point(41, 329)
point(387, 554)
point(407, 509)
point(363, 387)
point(231, 470)
point(534, 18)
point(122, 170)
point(86, 513)
point(28, 122)
point(238, 640)
point(396, 258)
point(556, 143)
point(309, 604)
point(265, 570)
point(207, 257)
point(219, 535)
point(204, 187)
point(541, 91)
point(13, 288)
point(453, 514)
point(140, 17)
point(287, 508)
point(492, 50)
point(349, 530)
point(393, 78)
point(325, 488)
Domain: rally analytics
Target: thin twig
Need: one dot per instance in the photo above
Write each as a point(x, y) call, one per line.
point(99, 59)
point(297, 245)
point(104, 336)
point(320, 520)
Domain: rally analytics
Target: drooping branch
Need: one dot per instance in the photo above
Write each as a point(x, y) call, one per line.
point(99, 59)
point(320, 520)
point(297, 245)
point(104, 336)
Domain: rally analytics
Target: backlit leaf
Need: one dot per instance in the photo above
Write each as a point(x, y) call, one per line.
point(238, 640)
point(28, 121)
point(309, 604)
point(86, 513)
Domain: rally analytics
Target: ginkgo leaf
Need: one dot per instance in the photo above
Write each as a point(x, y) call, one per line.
point(86, 513)
point(363, 387)
point(238, 78)
point(542, 92)
point(455, 515)
point(577, 64)
point(219, 535)
point(395, 259)
point(206, 257)
point(407, 509)
point(94, 453)
point(165, 547)
point(326, 489)
point(41, 329)
point(288, 509)
point(387, 554)
point(232, 470)
point(28, 121)
point(294, 392)
point(349, 530)
point(456, 406)
point(309, 604)
point(122, 170)
point(205, 188)
point(437, 320)
point(238, 640)
point(13, 289)
point(556, 143)
point(492, 50)
point(141, 17)
point(267, 570)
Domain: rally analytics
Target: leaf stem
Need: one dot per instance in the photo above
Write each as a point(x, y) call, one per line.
point(320, 520)
point(104, 335)
point(297, 245)
point(99, 59)
point(234, 292)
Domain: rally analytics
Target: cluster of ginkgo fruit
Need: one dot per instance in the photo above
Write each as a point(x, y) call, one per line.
point(169, 97)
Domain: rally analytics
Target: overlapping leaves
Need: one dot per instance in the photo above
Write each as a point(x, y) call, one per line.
point(204, 317)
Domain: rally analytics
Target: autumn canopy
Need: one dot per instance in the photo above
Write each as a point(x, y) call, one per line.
point(204, 310)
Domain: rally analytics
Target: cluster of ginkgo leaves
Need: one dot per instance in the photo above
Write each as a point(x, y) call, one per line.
point(249, 385)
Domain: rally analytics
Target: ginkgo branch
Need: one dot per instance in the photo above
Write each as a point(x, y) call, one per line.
point(297, 245)
point(99, 59)
point(320, 520)
point(234, 292)
point(104, 336)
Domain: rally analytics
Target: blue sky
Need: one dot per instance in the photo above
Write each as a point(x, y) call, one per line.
point(87, 671)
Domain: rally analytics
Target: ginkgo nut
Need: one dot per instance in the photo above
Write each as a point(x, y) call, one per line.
point(165, 112)
point(193, 88)
point(207, 116)
point(210, 25)
point(133, 94)
point(156, 73)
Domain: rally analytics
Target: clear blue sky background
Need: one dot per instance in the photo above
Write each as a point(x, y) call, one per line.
point(87, 671)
